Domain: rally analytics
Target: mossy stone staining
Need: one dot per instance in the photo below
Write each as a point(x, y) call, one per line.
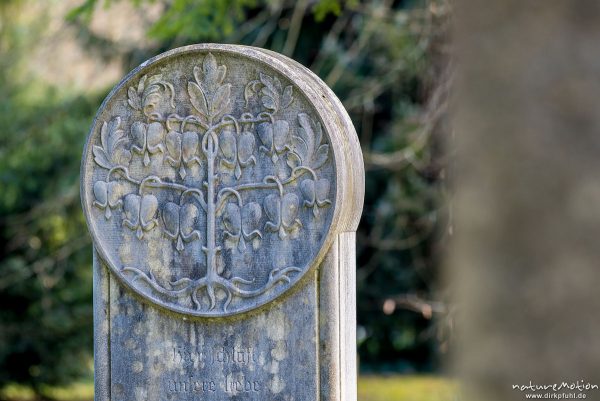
point(209, 181)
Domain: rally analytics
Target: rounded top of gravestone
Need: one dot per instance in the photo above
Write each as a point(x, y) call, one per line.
point(216, 176)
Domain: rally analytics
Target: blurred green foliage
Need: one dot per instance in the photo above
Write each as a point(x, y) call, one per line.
point(370, 388)
point(407, 388)
point(385, 59)
point(45, 294)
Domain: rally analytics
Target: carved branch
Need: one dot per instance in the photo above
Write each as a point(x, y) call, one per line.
point(198, 195)
point(124, 173)
point(223, 195)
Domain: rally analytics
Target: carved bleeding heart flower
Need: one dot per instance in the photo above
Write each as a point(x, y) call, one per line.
point(315, 194)
point(282, 212)
point(182, 150)
point(106, 197)
point(237, 150)
point(140, 213)
point(275, 138)
point(147, 139)
point(179, 223)
point(241, 225)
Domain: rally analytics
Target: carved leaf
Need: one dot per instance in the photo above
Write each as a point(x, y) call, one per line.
point(189, 146)
point(250, 90)
point(281, 131)
point(113, 195)
point(247, 144)
point(265, 133)
point(270, 94)
point(267, 81)
point(220, 101)
point(132, 210)
point(287, 97)
point(209, 68)
point(232, 219)
point(153, 80)
point(272, 208)
point(293, 160)
point(277, 85)
point(323, 189)
point(289, 209)
point(152, 90)
point(151, 99)
point(154, 138)
point(307, 187)
point(171, 219)
point(197, 74)
point(169, 86)
point(106, 198)
point(300, 148)
point(228, 146)
point(140, 88)
point(251, 214)
point(173, 143)
point(100, 157)
point(133, 99)
point(152, 95)
point(148, 209)
point(198, 98)
point(315, 194)
point(104, 136)
point(122, 157)
point(101, 193)
point(318, 134)
point(321, 156)
point(221, 71)
point(268, 102)
point(187, 217)
point(115, 136)
point(307, 134)
point(138, 132)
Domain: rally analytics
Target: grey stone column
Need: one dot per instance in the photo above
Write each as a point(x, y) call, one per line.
point(525, 259)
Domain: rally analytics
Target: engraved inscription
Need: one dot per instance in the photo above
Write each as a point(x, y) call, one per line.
point(195, 385)
point(216, 193)
point(224, 355)
point(237, 358)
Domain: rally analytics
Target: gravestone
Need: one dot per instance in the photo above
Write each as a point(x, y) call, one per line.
point(222, 186)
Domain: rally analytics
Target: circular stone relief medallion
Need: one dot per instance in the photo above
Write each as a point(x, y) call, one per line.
point(208, 181)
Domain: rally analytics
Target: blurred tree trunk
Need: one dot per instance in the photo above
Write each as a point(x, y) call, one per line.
point(525, 259)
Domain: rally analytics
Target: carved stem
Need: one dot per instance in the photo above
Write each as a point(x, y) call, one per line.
point(211, 249)
point(124, 173)
point(269, 183)
point(224, 194)
point(188, 119)
point(306, 169)
point(197, 193)
point(156, 182)
point(275, 180)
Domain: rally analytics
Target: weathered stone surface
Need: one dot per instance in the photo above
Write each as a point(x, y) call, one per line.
point(220, 184)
